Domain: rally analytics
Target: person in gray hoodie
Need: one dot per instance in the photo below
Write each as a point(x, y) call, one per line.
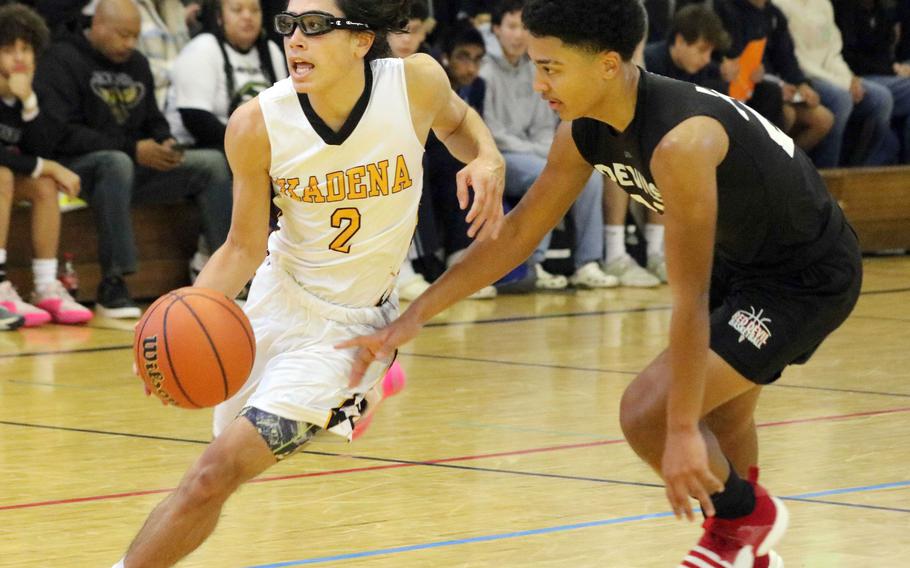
point(523, 127)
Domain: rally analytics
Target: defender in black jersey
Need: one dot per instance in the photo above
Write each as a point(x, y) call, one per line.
point(762, 264)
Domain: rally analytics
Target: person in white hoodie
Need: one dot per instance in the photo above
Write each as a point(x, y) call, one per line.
point(523, 127)
point(818, 44)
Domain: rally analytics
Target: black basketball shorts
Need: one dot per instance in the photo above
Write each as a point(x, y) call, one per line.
point(761, 323)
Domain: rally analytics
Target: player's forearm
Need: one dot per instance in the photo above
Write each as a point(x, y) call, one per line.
point(689, 345)
point(471, 139)
point(230, 268)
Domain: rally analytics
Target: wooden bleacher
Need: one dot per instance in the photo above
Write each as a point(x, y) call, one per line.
point(166, 237)
point(876, 200)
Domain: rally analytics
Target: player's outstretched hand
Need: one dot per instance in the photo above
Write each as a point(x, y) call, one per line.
point(379, 346)
point(486, 177)
point(686, 473)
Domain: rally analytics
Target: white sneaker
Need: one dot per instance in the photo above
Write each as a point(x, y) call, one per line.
point(631, 274)
point(55, 300)
point(547, 281)
point(10, 299)
point(412, 287)
point(485, 293)
point(592, 276)
point(658, 267)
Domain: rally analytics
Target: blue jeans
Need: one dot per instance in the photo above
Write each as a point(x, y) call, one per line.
point(112, 182)
point(873, 111)
point(900, 92)
point(587, 213)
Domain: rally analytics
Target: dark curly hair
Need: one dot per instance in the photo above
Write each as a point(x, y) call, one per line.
point(21, 22)
point(383, 17)
point(594, 25)
point(504, 7)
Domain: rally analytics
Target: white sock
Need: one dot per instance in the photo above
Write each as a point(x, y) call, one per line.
point(119, 564)
point(2, 256)
point(654, 234)
point(44, 270)
point(614, 242)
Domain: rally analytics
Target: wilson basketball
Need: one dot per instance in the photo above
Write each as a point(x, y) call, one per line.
point(194, 347)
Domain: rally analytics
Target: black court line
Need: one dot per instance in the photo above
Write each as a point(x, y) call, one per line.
point(66, 351)
point(453, 466)
point(482, 360)
point(514, 319)
point(842, 504)
point(884, 318)
point(885, 291)
point(356, 457)
point(516, 363)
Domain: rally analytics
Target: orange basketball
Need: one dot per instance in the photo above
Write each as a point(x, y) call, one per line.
point(194, 347)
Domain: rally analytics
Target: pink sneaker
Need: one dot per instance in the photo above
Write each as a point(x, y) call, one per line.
point(739, 543)
point(392, 383)
point(10, 299)
point(56, 301)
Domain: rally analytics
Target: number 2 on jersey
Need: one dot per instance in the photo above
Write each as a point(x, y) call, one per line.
point(339, 216)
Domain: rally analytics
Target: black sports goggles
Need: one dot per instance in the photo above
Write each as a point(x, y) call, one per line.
point(314, 23)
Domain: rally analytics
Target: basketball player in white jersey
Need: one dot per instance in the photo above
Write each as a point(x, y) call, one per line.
point(337, 147)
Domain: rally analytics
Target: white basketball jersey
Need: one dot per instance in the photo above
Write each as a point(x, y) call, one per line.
point(348, 203)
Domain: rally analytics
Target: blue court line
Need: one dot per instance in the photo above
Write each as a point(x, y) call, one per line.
point(483, 538)
point(571, 527)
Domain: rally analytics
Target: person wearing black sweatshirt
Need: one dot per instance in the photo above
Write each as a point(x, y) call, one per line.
point(868, 29)
point(27, 139)
point(749, 20)
point(117, 139)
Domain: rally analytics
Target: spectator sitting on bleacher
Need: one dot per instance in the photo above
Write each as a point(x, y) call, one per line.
point(685, 54)
point(523, 127)
point(462, 53)
point(755, 20)
point(412, 39)
point(219, 70)
point(410, 282)
point(27, 138)
point(818, 44)
point(163, 34)
point(117, 140)
point(868, 30)
point(695, 32)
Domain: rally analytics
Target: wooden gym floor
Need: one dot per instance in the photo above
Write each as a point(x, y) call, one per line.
point(504, 451)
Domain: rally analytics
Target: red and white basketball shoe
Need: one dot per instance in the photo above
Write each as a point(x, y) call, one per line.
point(744, 542)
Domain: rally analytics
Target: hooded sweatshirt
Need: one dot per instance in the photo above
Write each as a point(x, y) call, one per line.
point(103, 105)
point(520, 120)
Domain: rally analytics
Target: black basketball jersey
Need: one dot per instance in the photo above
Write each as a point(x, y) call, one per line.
point(774, 212)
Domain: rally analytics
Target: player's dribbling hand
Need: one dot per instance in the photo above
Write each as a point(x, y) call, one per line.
point(486, 177)
point(378, 346)
point(686, 473)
